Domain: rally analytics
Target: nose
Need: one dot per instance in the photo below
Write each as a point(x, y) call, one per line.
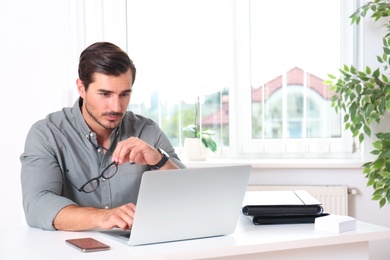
point(116, 105)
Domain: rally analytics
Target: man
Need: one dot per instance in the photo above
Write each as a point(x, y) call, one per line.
point(82, 166)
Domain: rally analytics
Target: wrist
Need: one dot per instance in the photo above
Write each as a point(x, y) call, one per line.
point(163, 161)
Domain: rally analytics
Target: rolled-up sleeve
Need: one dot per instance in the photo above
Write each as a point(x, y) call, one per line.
point(41, 180)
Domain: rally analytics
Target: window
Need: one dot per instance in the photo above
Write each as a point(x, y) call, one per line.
point(256, 66)
point(183, 50)
point(293, 46)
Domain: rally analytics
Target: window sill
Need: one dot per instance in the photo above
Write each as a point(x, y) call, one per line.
point(280, 163)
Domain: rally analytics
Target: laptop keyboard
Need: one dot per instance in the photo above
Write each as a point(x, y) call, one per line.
point(126, 235)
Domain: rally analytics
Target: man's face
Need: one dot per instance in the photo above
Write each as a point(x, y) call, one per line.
point(106, 100)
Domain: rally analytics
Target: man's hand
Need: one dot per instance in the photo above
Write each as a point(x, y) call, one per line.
point(121, 217)
point(75, 218)
point(135, 150)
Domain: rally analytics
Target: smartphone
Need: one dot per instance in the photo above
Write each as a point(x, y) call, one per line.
point(87, 244)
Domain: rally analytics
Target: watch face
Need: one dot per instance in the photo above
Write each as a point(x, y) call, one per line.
point(163, 152)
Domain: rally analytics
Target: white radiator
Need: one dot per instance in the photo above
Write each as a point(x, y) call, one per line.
point(334, 198)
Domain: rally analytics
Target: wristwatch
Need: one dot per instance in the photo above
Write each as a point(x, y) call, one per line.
point(164, 159)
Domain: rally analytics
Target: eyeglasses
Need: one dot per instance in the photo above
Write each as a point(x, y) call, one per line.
point(93, 184)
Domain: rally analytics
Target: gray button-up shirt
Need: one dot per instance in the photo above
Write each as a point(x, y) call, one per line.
point(63, 142)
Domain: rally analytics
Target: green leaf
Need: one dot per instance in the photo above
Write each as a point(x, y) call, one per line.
point(377, 145)
point(375, 152)
point(328, 82)
point(334, 98)
point(362, 75)
point(369, 109)
point(382, 105)
point(361, 138)
point(357, 20)
point(190, 130)
point(383, 136)
point(386, 50)
point(367, 130)
point(370, 182)
point(377, 165)
point(374, 115)
point(382, 202)
point(385, 78)
point(367, 98)
point(379, 82)
point(378, 192)
point(385, 174)
point(376, 73)
point(209, 143)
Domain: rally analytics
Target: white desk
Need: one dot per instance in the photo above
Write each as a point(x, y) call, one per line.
point(299, 241)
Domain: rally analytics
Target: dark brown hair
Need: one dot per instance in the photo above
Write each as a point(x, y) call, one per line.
point(105, 58)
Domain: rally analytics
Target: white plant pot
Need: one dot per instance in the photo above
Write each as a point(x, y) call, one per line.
point(194, 150)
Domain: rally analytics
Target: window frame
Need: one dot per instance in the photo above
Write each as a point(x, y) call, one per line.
point(246, 147)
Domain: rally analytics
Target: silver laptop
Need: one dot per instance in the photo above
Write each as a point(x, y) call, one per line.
point(187, 204)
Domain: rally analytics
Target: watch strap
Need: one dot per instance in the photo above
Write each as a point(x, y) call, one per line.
point(162, 162)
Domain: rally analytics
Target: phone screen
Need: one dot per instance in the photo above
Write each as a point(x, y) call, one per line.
point(87, 244)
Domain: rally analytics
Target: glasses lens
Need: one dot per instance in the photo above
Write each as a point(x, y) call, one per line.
point(92, 185)
point(110, 170)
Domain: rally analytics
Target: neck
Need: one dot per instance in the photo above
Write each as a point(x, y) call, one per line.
point(102, 134)
point(104, 140)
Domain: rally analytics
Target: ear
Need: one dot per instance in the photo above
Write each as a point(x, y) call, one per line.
point(80, 88)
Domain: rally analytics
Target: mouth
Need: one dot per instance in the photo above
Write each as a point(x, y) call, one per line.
point(113, 116)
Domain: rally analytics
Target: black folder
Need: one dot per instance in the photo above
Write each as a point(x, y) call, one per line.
point(286, 219)
point(274, 210)
point(281, 207)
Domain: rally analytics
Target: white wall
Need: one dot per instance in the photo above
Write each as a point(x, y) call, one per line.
point(34, 82)
point(31, 44)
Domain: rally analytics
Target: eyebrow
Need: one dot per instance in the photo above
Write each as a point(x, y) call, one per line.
point(109, 91)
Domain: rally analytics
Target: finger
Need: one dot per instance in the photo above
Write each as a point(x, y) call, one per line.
point(120, 223)
point(122, 150)
point(135, 155)
point(115, 154)
point(128, 211)
point(121, 217)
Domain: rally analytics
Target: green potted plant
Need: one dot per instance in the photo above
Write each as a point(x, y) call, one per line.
point(192, 131)
point(195, 138)
point(364, 97)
